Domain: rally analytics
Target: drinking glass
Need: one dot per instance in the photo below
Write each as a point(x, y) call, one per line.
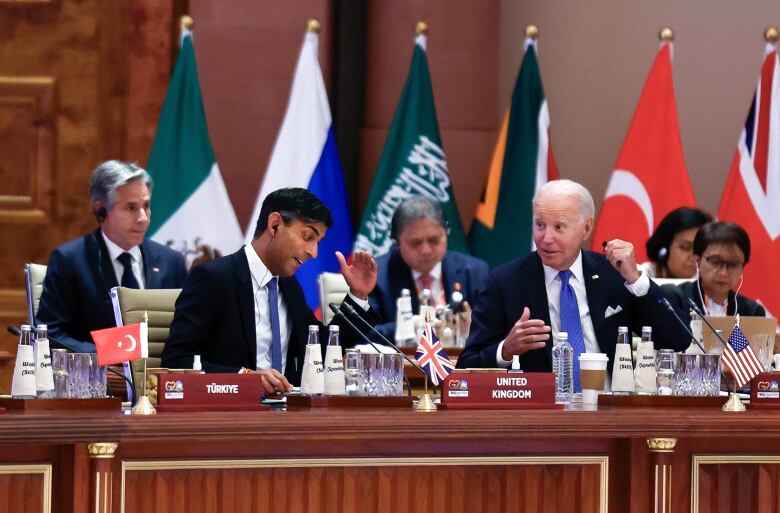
point(352, 372)
point(372, 373)
point(97, 377)
point(710, 372)
point(393, 374)
point(59, 367)
point(763, 342)
point(78, 375)
point(684, 374)
point(664, 377)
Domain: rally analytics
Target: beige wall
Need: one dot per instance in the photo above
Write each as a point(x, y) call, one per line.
point(595, 56)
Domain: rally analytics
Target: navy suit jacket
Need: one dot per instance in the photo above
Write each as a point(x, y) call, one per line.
point(520, 283)
point(393, 274)
point(215, 318)
point(76, 291)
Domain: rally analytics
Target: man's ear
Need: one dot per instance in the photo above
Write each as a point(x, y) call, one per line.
point(275, 220)
point(588, 228)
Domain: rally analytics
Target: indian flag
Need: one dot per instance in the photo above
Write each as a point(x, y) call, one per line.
point(190, 205)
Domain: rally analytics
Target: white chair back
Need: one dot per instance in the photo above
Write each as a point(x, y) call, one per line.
point(333, 288)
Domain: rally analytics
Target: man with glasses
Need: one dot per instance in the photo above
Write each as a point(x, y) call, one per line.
point(722, 250)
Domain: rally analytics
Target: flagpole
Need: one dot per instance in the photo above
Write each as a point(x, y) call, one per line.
point(144, 406)
point(426, 404)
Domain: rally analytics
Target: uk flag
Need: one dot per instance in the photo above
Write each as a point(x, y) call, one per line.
point(432, 357)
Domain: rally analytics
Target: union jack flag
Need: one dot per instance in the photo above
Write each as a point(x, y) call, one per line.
point(432, 357)
point(740, 358)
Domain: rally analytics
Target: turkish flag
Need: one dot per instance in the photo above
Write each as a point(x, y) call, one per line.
point(751, 197)
point(121, 344)
point(650, 178)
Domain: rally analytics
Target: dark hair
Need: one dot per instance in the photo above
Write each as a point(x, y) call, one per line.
point(413, 208)
point(676, 221)
point(721, 232)
point(293, 203)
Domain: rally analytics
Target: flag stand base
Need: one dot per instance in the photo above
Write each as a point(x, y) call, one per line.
point(425, 403)
point(144, 406)
point(734, 403)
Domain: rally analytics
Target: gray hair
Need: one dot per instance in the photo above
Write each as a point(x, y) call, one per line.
point(562, 188)
point(111, 175)
point(414, 208)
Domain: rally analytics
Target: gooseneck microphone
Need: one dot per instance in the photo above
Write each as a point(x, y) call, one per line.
point(351, 311)
point(339, 313)
point(696, 309)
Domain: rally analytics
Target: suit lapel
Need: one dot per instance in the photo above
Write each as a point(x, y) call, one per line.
point(246, 303)
point(537, 297)
point(451, 275)
point(596, 300)
point(151, 277)
point(100, 261)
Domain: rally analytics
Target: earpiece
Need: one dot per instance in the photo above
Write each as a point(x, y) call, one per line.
point(276, 229)
point(663, 255)
point(101, 214)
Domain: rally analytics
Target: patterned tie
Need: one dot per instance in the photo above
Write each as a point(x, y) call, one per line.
point(426, 281)
point(128, 276)
point(276, 336)
point(570, 323)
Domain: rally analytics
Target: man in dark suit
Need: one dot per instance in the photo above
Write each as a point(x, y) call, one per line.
point(559, 287)
point(75, 298)
point(420, 260)
point(246, 312)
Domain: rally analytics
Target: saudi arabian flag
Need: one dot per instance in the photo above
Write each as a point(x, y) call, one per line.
point(412, 164)
point(190, 205)
point(522, 162)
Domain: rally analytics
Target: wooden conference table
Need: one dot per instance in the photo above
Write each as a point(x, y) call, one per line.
point(621, 460)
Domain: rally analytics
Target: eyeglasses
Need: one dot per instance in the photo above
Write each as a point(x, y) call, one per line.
point(729, 266)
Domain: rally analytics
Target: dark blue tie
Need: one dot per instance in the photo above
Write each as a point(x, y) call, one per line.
point(128, 277)
point(570, 323)
point(276, 334)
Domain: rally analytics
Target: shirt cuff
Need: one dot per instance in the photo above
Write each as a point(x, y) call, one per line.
point(640, 287)
point(363, 303)
point(500, 362)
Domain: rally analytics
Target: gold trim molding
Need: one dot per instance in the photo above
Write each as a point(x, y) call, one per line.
point(45, 470)
point(723, 459)
point(661, 444)
point(146, 465)
point(102, 449)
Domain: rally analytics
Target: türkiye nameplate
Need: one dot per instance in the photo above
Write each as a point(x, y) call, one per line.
point(499, 390)
point(209, 392)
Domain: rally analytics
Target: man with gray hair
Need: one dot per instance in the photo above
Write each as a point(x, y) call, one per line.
point(560, 287)
point(419, 260)
point(75, 298)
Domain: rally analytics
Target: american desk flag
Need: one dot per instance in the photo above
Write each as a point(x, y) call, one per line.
point(740, 358)
point(432, 357)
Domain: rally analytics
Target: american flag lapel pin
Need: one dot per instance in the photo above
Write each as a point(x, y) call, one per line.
point(155, 269)
point(595, 277)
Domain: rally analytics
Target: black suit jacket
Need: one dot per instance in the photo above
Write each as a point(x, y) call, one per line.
point(76, 291)
point(215, 318)
point(520, 283)
point(737, 304)
point(393, 274)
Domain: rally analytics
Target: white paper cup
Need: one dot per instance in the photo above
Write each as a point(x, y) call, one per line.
point(593, 375)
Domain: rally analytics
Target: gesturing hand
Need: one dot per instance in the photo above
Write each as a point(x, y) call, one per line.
point(360, 274)
point(621, 255)
point(525, 335)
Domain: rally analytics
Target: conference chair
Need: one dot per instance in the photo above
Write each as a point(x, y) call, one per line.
point(129, 307)
point(333, 287)
point(33, 281)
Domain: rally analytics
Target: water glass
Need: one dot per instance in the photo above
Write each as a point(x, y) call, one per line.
point(393, 374)
point(685, 374)
point(765, 346)
point(664, 377)
point(78, 375)
point(353, 372)
point(371, 370)
point(710, 374)
point(59, 368)
point(97, 378)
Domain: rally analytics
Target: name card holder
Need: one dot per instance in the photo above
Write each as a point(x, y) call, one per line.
point(496, 390)
point(209, 392)
point(765, 391)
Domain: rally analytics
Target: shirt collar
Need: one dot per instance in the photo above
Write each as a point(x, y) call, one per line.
point(114, 251)
point(435, 273)
point(257, 268)
point(576, 270)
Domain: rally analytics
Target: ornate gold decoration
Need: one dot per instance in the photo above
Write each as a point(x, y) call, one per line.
point(421, 28)
point(532, 31)
point(666, 34)
point(102, 449)
point(771, 35)
point(313, 25)
point(186, 22)
point(661, 444)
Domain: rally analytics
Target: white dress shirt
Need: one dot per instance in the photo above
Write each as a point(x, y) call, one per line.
point(119, 270)
point(437, 286)
point(577, 281)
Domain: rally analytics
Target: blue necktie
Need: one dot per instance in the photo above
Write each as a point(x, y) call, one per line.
point(276, 336)
point(570, 323)
point(128, 277)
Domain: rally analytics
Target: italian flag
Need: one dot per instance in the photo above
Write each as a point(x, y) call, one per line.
point(190, 205)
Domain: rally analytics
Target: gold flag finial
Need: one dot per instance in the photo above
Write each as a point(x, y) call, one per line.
point(186, 22)
point(771, 35)
point(666, 35)
point(313, 25)
point(146, 316)
point(421, 28)
point(532, 31)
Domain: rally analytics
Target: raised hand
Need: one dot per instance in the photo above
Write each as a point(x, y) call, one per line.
point(360, 274)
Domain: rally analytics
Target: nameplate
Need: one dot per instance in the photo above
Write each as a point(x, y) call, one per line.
point(208, 392)
point(765, 390)
point(499, 390)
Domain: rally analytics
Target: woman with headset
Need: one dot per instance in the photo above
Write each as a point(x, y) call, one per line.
point(670, 247)
point(721, 251)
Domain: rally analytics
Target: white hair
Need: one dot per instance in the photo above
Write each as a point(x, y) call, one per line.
point(562, 188)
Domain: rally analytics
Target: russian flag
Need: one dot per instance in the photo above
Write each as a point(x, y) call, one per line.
point(305, 155)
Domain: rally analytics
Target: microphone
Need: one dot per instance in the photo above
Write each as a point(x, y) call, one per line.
point(696, 309)
point(351, 311)
point(687, 328)
point(339, 313)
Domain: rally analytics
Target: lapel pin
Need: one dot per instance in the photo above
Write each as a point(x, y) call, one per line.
point(595, 277)
point(155, 269)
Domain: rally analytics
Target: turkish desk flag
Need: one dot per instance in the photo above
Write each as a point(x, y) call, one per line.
point(751, 197)
point(121, 344)
point(650, 178)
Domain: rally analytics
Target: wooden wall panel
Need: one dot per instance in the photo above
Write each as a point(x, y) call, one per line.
point(458, 485)
point(25, 488)
point(736, 484)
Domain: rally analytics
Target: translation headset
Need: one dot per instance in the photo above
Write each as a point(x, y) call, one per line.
point(100, 214)
point(663, 255)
